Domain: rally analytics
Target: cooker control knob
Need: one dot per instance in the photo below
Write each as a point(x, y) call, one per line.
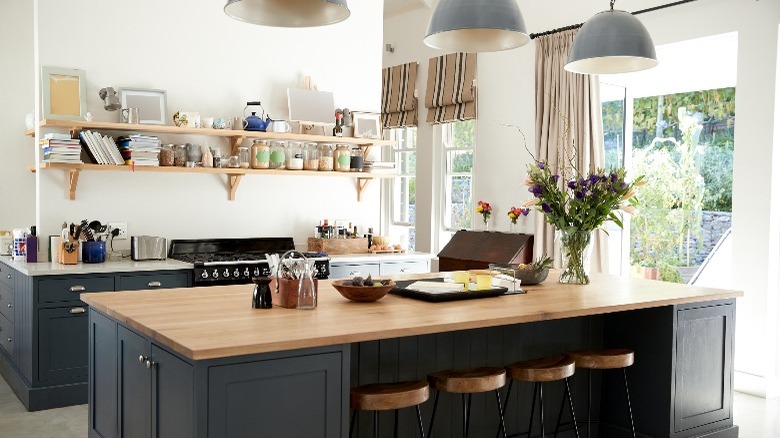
point(204, 274)
point(257, 272)
point(236, 273)
point(246, 272)
point(226, 274)
point(215, 274)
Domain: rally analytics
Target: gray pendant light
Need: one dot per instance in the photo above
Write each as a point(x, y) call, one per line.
point(288, 13)
point(612, 42)
point(476, 26)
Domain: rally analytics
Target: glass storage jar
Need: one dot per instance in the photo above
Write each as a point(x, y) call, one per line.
point(311, 156)
point(356, 160)
point(243, 157)
point(294, 155)
point(260, 154)
point(326, 157)
point(277, 154)
point(180, 155)
point(166, 155)
point(341, 158)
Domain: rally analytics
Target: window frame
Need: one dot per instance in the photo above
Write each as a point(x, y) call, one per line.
point(447, 140)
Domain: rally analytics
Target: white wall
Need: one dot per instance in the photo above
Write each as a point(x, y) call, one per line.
point(17, 185)
point(212, 64)
point(506, 93)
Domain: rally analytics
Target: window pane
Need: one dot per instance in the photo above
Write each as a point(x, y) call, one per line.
point(460, 161)
point(458, 202)
point(463, 134)
point(404, 191)
point(406, 163)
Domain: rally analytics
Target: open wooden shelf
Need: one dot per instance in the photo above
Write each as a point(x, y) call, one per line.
point(234, 174)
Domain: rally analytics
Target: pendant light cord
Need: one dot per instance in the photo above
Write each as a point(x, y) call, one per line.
point(611, 7)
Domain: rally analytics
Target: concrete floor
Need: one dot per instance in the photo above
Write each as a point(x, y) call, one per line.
point(756, 418)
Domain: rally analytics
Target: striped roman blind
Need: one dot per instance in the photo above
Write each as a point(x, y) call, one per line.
point(450, 94)
point(399, 105)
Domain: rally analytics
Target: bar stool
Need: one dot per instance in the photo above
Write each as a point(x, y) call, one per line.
point(606, 359)
point(386, 397)
point(467, 382)
point(548, 369)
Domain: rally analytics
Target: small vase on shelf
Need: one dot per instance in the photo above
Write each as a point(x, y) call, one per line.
point(575, 251)
point(513, 227)
point(485, 225)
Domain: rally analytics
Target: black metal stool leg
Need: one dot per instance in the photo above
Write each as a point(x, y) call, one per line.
point(376, 424)
point(560, 413)
point(628, 400)
point(419, 422)
point(533, 406)
point(466, 405)
point(500, 413)
point(571, 407)
point(395, 424)
point(541, 409)
point(506, 402)
point(433, 414)
point(589, 398)
point(352, 423)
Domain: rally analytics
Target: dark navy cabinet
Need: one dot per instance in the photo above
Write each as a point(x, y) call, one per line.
point(44, 330)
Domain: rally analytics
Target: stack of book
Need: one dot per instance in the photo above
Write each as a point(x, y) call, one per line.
point(142, 150)
point(101, 149)
point(379, 167)
point(59, 148)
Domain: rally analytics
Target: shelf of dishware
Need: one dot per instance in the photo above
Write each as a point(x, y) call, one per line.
point(234, 174)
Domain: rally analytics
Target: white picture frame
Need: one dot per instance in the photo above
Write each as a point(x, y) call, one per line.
point(151, 104)
point(367, 125)
point(63, 93)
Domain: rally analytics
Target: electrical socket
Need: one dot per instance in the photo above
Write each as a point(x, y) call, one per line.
point(121, 226)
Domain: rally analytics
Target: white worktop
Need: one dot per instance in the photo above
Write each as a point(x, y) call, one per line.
point(53, 268)
point(379, 258)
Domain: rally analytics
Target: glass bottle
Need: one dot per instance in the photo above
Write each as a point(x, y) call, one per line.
point(342, 158)
point(311, 156)
point(337, 131)
point(277, 154)
point(243, 157)
point(260, 155)
point(307, 289)
point(356, 160)
point(294, 156)
point(326, 157)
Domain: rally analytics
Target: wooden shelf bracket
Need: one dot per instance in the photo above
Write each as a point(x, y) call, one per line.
point(234, 179)
point(362, 183)
point(235, 142)
point(73, 182)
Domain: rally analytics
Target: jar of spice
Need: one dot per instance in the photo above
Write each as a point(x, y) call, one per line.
point(217, 156)
point(294, 156)
point(277, 154)
point(180, 156)
point(326, 157)
point(311, 156)
point(356, 160)
point(341, 158)
point(243, 157)
point(166, 155)
point(260, 155)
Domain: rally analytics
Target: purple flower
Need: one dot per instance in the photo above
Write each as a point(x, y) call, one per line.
point(546, 208)
point(540, 165)
point(623, 185)
point(525, 211)
point(536, 190)
point(580, 194)
point(594, 179)
point(613, 177)
point(572, 184)
point(554, 178)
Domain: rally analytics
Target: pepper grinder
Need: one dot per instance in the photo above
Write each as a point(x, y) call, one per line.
point(261, 297)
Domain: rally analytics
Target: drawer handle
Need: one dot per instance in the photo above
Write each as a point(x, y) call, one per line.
point(149, 364)
point(78, 310)
point(9, 276)
point(10, 306)
point(154, 284)
point(141, 359)
point(10, 339)
point(78, 288)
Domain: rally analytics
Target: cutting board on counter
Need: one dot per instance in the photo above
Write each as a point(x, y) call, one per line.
point(339, 246)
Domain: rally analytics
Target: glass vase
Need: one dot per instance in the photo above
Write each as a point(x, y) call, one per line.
point(512, 227)
point(485, 224)
point(575, 251)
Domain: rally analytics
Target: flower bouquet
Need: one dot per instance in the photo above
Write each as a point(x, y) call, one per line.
point(484, 209)
point(514, 213)
point(577, 206)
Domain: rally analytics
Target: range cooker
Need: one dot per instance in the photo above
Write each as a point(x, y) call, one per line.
point(236, 261)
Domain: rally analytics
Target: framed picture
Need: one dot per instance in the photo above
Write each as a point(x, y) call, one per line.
point(64, 93)
point(151, 104)
point(367, 125)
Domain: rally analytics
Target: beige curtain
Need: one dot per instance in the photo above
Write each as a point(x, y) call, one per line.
point(568, 128)
point(451, 94)
point(399, 105)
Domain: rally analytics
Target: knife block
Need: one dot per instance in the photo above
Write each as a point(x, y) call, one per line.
point(69, 253)
point(286, 295)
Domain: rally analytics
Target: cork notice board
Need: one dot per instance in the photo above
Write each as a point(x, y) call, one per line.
point(63, 92)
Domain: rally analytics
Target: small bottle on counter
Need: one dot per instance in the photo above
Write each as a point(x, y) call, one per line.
point(370, 236)
point(32, 246)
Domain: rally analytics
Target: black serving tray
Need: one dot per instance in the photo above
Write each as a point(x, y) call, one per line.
point(437, 297)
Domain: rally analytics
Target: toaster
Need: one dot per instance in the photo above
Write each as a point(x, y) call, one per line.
point(148, 248)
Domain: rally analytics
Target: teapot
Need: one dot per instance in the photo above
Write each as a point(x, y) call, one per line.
point(255, 122)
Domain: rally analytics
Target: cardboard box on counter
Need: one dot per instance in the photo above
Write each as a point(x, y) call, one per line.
point(339, 246)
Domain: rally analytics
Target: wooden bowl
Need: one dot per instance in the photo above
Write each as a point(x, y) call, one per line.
point(362, 294)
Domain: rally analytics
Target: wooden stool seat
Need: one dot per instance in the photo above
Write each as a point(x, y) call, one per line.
point(468, 381)
point(606, 359)
point(547, 369)
point(388, 396)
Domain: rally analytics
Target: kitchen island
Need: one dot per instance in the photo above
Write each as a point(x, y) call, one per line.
point(201, 362)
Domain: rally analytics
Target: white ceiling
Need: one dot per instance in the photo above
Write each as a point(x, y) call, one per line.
point(397, 7)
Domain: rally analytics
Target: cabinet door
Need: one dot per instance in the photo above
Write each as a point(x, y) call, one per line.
point(62, 344)
point(407, 267)
point(58, 290)
point(153, 281)
point(103, 421)
point(704, 360)
point(6, 275)
point(7, 301)
point(173, 400)
point(135, 385)
point(353, 269)
point(6, 335)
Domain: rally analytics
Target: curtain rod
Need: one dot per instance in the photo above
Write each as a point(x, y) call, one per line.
point(577, 26)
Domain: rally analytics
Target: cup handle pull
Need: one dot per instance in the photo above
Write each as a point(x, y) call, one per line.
point(154, 284)
point(78, 288)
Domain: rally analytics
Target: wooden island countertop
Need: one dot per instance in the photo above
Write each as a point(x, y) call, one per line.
point(215, 322)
